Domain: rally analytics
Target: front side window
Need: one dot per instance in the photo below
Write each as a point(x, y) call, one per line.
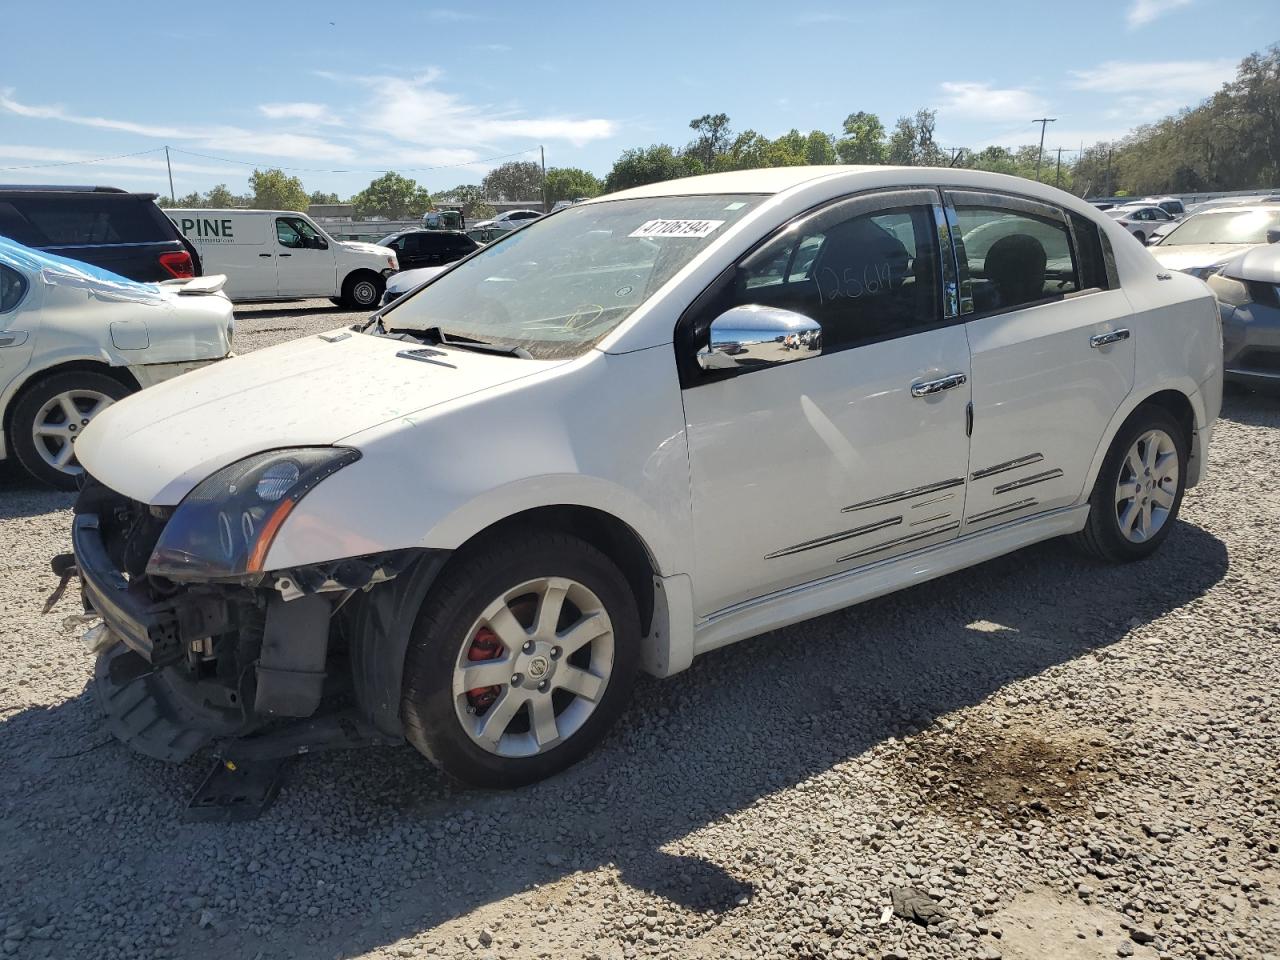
point(1014, 257)
point(297, 234)
point(862, 278)
point(13, 286)
point(559, 286)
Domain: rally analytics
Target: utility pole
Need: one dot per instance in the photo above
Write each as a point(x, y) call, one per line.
point(542, 153)
point(1044, 122)
point(1057, 177)
point(172, 198)
point(1107, 190)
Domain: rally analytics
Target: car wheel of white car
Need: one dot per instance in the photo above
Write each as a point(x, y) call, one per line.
point(523, 655)
point(51, 414)
point(1139, 489)
point(362, 291)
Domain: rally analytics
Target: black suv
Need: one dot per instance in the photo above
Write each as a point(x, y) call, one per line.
point(111, 228)
point(428, 248)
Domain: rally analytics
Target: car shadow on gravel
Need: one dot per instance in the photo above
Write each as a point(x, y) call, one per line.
point(382, 849)
point(1251, 408)
point(21, 496)
point(288, 311)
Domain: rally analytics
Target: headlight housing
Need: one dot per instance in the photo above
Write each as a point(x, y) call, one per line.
point(1228, 290)
point(223, 528)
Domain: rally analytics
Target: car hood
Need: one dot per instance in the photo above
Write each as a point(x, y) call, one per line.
point(1191, 255)
point(359, 246)
point(406, 280)
point(1257, 263)
point(155, 446)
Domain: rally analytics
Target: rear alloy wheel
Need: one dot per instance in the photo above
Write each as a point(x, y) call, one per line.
point(523, 655)
point(1139, 489)
point(51, 415)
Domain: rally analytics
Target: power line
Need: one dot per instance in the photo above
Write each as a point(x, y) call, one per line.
point(443, 166)
point(69, 163)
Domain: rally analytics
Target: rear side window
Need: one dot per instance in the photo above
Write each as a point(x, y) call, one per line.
point(1015, 257)
point(13, 287)
point(1091, 261)
point(80, 219)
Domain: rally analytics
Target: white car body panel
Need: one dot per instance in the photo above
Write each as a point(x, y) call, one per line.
point(714, 477)
point(57, 323)
point(1190, 256)
point(243, 245)
point(401, 283)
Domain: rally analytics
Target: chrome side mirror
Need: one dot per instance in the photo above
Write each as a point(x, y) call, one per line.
point(752, 335)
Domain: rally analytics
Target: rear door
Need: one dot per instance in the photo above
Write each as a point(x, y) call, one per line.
point(1053, 356)
point(304, 262)
point(18, 321)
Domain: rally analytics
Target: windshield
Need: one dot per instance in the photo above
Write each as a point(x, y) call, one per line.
point(1226, 226)
point(556, 287)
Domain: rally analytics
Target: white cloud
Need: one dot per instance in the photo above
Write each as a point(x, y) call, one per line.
point(1142, 12)
point(980, 101)
point(1189, 78)
point(312, 112)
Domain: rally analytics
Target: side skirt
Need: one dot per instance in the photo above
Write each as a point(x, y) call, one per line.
point(806, 600)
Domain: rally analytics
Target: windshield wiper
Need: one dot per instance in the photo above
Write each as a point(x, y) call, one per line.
point(436, 335)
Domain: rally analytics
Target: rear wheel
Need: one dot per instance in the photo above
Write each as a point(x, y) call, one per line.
point(523, 655)
point(1136, 498)
point(50, 416)
point(362, 291)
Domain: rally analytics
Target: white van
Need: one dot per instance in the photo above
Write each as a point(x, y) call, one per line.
point(285, 255)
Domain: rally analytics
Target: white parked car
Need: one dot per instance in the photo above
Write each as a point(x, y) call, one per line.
point(1141, 219)
point(651, 425)
point(75, 338)
point(285, 255)
point(401, 283)
point(1203, 242)
point(507, 221)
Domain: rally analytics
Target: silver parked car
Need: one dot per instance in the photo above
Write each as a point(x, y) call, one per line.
point(1203, 242)
point(1140, 219)
point(1248, 291)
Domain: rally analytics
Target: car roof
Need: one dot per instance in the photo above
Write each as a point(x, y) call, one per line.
point(58, 188)
point(434, 233)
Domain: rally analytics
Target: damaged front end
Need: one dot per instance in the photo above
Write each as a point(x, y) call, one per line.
point(199, 644)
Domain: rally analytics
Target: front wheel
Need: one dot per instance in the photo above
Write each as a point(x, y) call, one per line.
point(1136, 498)
point(362, 291)
point(523, 655)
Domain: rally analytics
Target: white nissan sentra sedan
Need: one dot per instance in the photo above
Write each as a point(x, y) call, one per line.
point(560, 462)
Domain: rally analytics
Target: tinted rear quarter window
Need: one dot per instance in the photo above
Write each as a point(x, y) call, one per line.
point(13, 286)
point(82, 220)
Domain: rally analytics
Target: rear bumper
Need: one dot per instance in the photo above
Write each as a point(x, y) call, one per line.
point(159, 631)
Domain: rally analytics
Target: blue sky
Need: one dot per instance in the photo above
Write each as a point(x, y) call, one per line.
point(325, 86)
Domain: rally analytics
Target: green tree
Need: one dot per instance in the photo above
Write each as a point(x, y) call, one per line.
point(713, 138)
point(392, 196)
point(469, 195)
point(569, 183)
point(863, 140)
point(275, 190)
point(651, 164)
point(516, 180)
point(319, 196)
point(912, 145)
point(221, 198)
point(819, 148)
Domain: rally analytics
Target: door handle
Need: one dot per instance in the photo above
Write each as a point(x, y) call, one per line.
point(1102, 339)
point(266, 254)
point(286, 254)
point(12, 338)
point(927, 388)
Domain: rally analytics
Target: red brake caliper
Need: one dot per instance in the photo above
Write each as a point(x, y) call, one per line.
point(485, 645)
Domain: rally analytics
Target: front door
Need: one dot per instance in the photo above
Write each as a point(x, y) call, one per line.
point(304, 262)
point(1053, 358)
point(817, 454)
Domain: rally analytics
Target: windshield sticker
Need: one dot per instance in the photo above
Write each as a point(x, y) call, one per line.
point(736, 205)
point(677, 228)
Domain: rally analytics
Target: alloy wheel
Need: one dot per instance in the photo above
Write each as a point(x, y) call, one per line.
point(533, 667)
point(60, 421)
point(1147, 486)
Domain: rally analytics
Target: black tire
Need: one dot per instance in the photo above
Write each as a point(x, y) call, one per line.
point(33, 398)
point(1102, 536)
point(362, 291)
point(471, 580)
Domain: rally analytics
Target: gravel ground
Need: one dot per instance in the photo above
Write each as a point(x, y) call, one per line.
point(1039, 757)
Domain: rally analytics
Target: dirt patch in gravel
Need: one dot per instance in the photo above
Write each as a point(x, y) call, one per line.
point(1015, 773)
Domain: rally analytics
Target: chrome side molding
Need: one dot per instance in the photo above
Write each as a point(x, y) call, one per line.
point(991, 471)
point(905, 495)
point(833, 538)
point(1027, 481)
point(922, 535)
point(1001, 511)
